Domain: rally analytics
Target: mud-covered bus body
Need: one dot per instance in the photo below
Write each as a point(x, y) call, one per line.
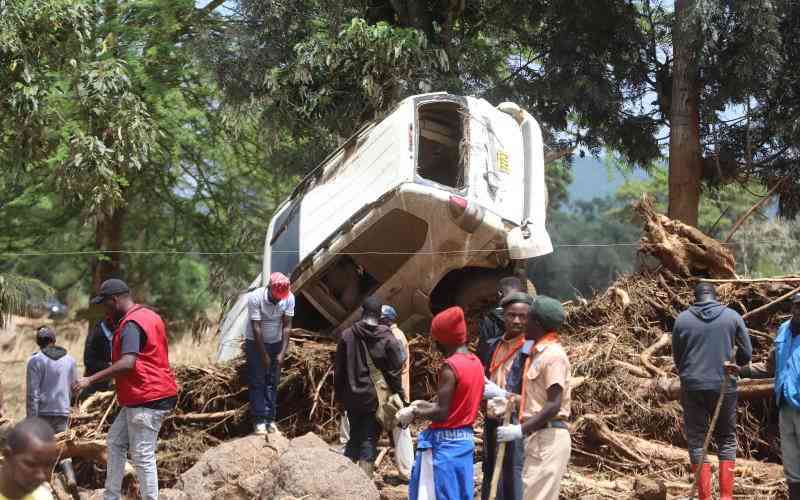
point(443, 195)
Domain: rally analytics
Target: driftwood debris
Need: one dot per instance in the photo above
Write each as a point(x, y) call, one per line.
point(90, 450)
point(670, 389)
point(644, 451)
point(683, 249)
point(627, 431)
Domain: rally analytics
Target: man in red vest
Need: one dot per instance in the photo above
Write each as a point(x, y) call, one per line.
point(146, 388)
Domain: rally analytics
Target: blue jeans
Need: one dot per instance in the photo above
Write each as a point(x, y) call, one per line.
point(135, 430)
point(263, 382)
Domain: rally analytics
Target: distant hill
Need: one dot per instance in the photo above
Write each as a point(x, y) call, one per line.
point(592, 180)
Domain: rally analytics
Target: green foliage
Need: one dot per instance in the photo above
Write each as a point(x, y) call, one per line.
point(768, 248)
point(106, 114)
point(583, 270)
point(558, 177)
point(720, 206)
point(18, 292)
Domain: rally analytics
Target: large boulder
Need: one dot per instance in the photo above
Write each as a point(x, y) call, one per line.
point(316, 473)
point(233, 469)
point(253, 467)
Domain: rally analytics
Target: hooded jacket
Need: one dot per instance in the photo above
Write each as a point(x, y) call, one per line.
point(702, 342)
point(50, 374)
point(490, 330)
point(352, 382)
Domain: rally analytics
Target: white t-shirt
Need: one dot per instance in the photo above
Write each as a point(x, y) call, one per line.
point(259, 308)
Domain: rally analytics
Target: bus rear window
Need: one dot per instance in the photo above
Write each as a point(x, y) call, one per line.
point(442, 145)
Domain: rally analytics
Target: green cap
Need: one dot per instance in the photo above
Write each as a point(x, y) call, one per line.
point(516, 298)
point(549, 312)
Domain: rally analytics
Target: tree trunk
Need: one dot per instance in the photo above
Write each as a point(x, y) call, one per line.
point(685, 167)
point(107, 238)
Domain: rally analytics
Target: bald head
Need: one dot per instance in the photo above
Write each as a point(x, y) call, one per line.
point(507, 286)
point(23, 435)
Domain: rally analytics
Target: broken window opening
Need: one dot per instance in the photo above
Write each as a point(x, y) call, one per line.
point(442, 143)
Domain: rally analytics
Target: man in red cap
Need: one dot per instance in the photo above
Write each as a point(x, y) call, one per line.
point(443, 469)
point(270, 310)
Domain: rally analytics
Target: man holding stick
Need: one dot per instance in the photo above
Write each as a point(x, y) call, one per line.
point(504, 371)
point(703, 341)
point(544, 404)
point(784, 365)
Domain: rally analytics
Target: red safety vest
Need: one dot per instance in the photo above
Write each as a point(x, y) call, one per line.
point(151, 378)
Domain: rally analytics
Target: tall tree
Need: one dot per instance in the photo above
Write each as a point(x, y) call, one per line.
point(112, 138)
point(612, 74)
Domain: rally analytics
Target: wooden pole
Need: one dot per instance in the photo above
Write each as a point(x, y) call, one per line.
point(755, 207)
point(774, 302)
point(501, 455)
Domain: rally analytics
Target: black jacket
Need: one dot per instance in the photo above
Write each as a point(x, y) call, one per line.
point(352, 382)
point(702, 341)
point(97, 351)
point(490, 330)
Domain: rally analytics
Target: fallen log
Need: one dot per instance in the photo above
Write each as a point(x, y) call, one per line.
point(640, 487)
point(206, 417)
point(93, 451)
point(91, 400)
point(670, 389)
point(645, 451)
point(663, 341)
point(632, 369)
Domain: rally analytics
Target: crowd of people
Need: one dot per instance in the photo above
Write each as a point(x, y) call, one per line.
point(520, 377)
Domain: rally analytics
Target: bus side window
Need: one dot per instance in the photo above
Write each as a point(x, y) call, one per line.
point(442, 144)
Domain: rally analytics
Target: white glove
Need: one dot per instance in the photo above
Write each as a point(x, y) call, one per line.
point(405, 416)
point(506, 433)
point(492, 390)
point(497, 407)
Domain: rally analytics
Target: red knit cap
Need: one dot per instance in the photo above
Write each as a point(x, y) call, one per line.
point(279, 285)
point(449, 326)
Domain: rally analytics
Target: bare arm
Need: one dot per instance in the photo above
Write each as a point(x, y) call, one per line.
point(258, 338)
point(287, 327)
point(439, 410)
point(124, 364)
point(765, 370)
point(548, 412)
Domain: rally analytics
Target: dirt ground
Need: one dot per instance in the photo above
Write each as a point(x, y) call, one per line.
point(17, 344)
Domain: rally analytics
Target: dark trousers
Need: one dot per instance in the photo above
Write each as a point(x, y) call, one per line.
point(57, 422)
point(263, 381)
point(698, 408)
point(509, 487)
point(365, 430)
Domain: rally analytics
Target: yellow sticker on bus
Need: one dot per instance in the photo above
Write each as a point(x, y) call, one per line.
point(502, 162)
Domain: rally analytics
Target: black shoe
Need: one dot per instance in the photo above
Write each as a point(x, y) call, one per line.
point(794, 491)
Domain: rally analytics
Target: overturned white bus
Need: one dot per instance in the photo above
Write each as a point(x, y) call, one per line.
point(427, 208)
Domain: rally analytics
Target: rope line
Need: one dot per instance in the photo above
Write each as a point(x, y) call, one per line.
point(47, 253)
